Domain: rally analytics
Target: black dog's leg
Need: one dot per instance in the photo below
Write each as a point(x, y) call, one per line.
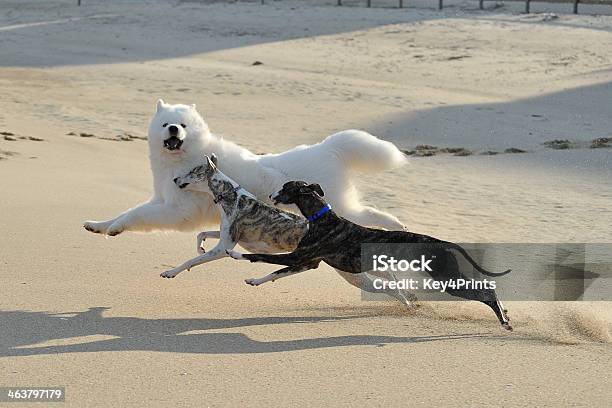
point(365, 282)
point(447, 269)
point(500, 312)
point(281, 273)
point(489, 298)
point(292, 259)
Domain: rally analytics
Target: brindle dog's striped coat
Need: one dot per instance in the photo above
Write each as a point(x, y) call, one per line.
point(244, 219)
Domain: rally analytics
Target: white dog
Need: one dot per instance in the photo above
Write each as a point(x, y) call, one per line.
point(179, 138)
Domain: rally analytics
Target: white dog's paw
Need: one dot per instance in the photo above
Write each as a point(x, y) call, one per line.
point(236, 255)
point(253, 282)
point(169, 274)
point(96, 227)
point(115, 229)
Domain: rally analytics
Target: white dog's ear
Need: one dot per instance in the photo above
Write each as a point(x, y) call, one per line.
point(160, 105)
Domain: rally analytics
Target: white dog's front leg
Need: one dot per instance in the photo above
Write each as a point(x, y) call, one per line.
point(217, 252)
point(372, 217)
point(202, 237)
point(148, 217)
point(102, 227)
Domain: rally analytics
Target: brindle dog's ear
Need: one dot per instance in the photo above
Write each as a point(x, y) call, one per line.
point(214, 159)
point(210, 164)
point(317, 189)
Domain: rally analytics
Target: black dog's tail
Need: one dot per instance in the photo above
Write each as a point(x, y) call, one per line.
point(473, 262)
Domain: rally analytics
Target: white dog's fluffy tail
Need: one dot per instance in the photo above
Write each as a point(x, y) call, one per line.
point(362, 151)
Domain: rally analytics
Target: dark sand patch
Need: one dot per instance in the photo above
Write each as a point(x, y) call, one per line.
point(429, 150)
point(12, 137)
point(134, 137)
point(457, 57)
point(564, 144)
point(559, 144)
point(601, 142)
point(80, 134)
point(124, 137)
point(456, 151)
point(5, 154)
point(513, 150)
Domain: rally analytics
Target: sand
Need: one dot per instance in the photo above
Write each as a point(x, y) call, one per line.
point(91, 314)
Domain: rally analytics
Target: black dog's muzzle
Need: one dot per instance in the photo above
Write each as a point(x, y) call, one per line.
point(173, 143)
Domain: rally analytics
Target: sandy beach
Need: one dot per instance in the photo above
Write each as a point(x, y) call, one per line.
point(514, 110)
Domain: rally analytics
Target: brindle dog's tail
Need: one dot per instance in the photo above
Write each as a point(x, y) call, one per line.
point(473, 262)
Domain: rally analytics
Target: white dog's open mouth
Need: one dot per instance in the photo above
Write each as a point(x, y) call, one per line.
point(173, 143)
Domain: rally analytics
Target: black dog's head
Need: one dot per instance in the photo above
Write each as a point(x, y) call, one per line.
point(291, 191)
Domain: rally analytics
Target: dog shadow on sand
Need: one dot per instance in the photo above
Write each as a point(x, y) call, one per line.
point(23, 330)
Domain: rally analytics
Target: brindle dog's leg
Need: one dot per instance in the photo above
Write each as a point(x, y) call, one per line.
point(281, 273)
point(217, 252)
point(202, 237)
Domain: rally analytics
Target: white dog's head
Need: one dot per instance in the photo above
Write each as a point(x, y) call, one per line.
point(175, 127)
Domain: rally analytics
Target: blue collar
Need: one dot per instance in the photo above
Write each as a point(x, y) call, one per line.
point(326, 208)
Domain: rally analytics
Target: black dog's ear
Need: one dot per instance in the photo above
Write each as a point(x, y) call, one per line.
point(317, 189)
point(214, 159)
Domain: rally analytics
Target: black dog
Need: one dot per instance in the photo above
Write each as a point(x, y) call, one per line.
point(337, 242)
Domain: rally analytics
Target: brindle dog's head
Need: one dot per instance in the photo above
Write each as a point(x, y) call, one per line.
point(197, 178)
point(291, 191)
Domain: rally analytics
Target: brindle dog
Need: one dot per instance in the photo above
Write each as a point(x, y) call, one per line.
point(337, 242)
point(254, 225)
point(244, 219)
